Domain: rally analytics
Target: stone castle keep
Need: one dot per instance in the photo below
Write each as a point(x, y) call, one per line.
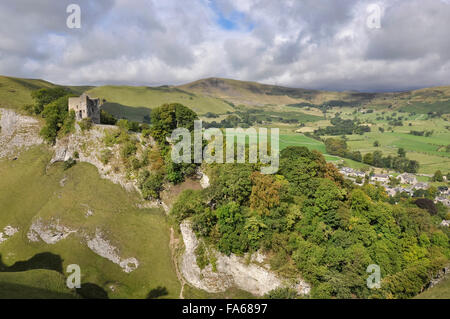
point(85, 107)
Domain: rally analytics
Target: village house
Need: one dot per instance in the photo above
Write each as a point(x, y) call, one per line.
point(421, 185)
point(407, 179)
point(85, 107)
point(443, 190)
point(347, 171)
point(382, 178)
point(442, 200)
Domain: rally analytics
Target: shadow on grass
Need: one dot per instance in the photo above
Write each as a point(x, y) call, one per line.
point(157, 292)
point(47, 261)
point(92, 291)
point(119, 111)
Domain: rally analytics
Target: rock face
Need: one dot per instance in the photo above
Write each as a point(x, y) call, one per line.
point(230, 271)
point(50, 233)
point(103, 248)
point(7, 233)
point(89, 145)
point(17, 132)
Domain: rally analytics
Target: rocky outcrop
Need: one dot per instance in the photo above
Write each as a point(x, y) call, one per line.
point(7, 233)
point(89, 145)
point(50, 233)
point(231, 271)
point(17, 133)
point(105, 249)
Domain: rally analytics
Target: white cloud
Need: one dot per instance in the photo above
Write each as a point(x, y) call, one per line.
point(313, 44)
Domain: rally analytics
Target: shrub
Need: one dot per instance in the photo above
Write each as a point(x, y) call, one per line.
point(151, 184)
point(86, 124)
point(282, 293)
point(69, 163)
point(105, 156)
point(128, 149)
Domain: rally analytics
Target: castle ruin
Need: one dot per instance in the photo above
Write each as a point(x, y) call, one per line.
point(85, 107)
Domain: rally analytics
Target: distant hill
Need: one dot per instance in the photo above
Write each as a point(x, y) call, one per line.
point(252, 93)
point(16, 92)
point(220, 96)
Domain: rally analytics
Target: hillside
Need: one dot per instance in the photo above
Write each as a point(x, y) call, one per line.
point(16, 92)
point(440, 291)
point(100, 211)
point(256, 94)
point(133, 101)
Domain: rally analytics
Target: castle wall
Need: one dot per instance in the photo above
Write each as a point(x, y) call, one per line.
point(85, 107)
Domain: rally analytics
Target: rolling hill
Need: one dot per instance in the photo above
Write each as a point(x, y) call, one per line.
point(220, 96)
point(121, 98)
point(16, 92)
point(256, 94)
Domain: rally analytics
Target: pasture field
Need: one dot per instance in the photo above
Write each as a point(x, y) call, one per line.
point(429, 151)
point(29, 190)
point(34, 284)
point(440, 291)
point(152, 97)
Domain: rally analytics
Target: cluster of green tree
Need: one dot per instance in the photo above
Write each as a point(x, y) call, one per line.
point(302, 104)
point(395, 123)
point(230, 121)
point(439, 177)
point(165, 119)
point(313, 222)
point(52, 105)
point(342, 127)
point(339, 147)
point(422, 133)
point(106, 118)
point(211, 115)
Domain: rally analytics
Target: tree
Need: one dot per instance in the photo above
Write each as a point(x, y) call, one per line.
point(45, 96)
point(57, 117)
point(265, 193)
point(168, 117)
point(368, 158)
point(438, 177)
point(401, 152)
point(376, 144)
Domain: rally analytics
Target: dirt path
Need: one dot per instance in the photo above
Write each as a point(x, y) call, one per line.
point(173, 247)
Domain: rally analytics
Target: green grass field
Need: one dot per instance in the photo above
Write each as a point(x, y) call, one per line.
point(440, 291)
point(152, 97)
point(15, 92)
point(28, 191)
point(34, 284)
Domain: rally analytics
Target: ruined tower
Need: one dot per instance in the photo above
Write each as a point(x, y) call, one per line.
point(85, 107)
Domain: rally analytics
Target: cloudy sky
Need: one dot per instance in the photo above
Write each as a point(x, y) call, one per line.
point(320, 44)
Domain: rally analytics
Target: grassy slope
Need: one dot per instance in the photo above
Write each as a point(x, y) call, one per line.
point(34, 284)
point(440, 291)
point(15, 92)
point(252, 93)
point(131, 96)
point(137, 233)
